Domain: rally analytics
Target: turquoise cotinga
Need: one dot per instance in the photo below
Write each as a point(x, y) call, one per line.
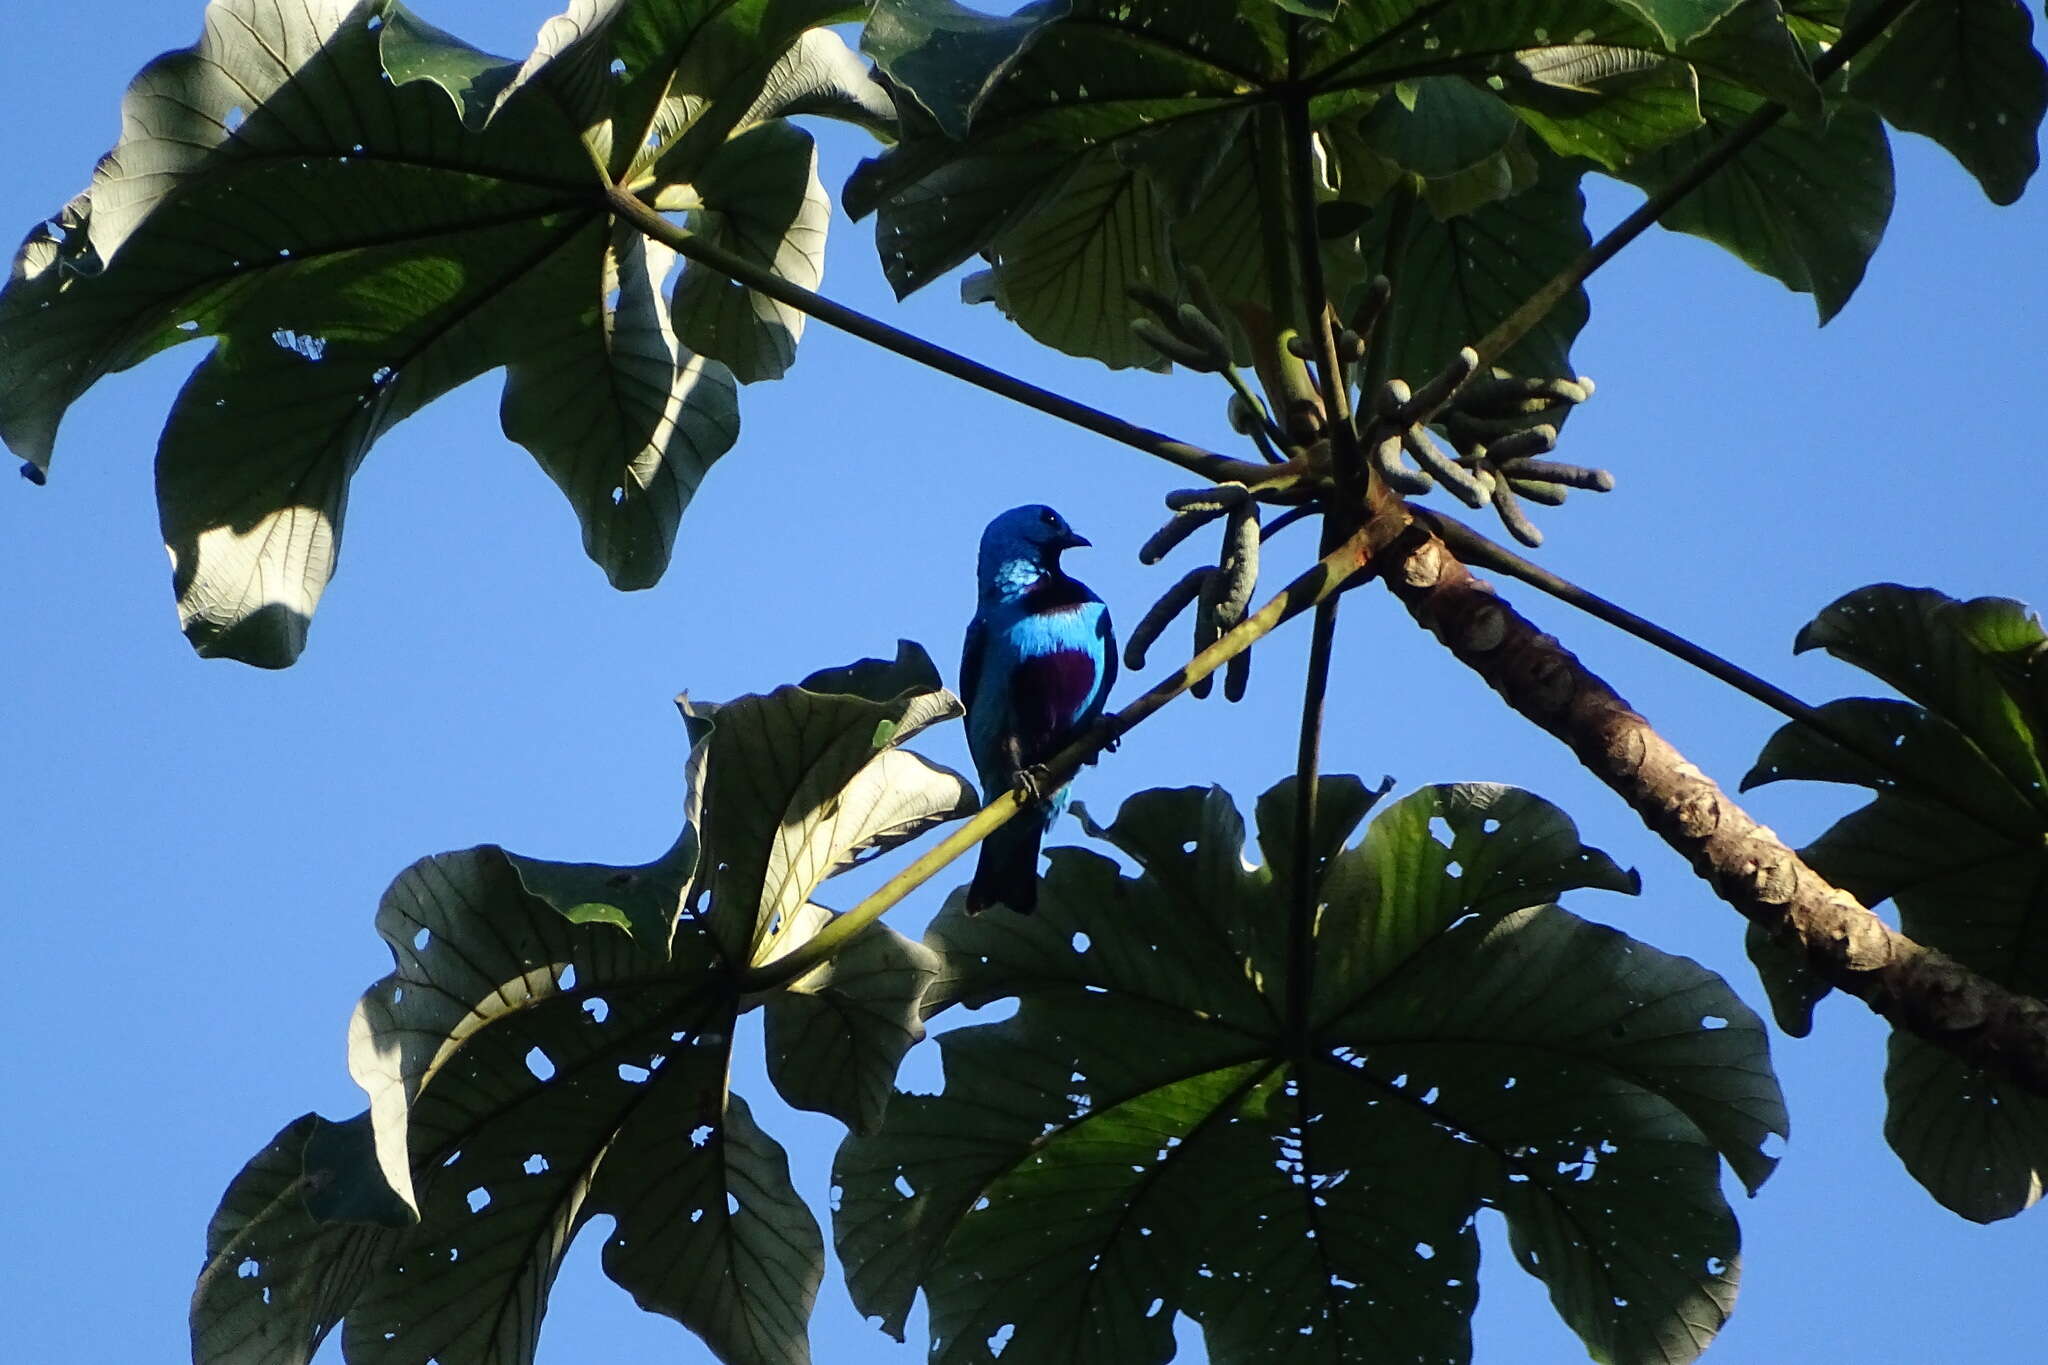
point(1037, 667)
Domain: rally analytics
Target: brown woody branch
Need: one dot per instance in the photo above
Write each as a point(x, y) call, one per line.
point(1915, 988)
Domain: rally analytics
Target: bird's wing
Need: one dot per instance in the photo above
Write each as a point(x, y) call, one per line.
point(1105, 641)
point(971, 650)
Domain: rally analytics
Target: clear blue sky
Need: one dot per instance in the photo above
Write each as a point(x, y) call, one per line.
point(195, 849)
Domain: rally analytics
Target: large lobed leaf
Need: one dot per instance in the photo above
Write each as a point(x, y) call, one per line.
point(358, 244)
point(1084, 146)
point(554, 1044)
point(1956, 837)
point(1164, 1126)
point(1965, 73)
point(1087, 146)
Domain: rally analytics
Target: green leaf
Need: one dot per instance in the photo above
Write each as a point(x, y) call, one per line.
point(1965, 73)
point(1460, 142)
point(359, 243)
point(1006, 144)
point(1470, 1045)
point(1461, 276)
point(759, 198)
point(280, 1274)
point(1680, 21)
point(795, 789)
point(1062, 273)
point(948, 56)
point(554, 1045)
point(837, 1034)
point(1806, 203)
point(1755, 47)
point(1641, 101)
point(1956, 837)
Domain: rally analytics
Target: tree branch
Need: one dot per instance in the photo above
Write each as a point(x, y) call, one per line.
point(1205, 463)
point(1307, 772)
point(1475, 548)
point(1914, 987)
point(1348, 563)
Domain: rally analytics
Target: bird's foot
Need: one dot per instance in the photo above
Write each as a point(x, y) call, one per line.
point(1111, 740)
point(1030, 784)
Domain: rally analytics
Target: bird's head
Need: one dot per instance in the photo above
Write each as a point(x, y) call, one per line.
point(1023, 543)
point(1034, 532)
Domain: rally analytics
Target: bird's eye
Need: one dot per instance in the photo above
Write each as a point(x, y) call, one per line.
point(1051, 518)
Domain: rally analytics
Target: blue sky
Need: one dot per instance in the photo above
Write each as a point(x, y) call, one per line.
point(195, 848)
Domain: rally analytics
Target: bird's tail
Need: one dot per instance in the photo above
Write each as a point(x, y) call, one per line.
point(1008, 871)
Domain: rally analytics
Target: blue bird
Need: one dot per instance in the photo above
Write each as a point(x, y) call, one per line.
point(1037, 667)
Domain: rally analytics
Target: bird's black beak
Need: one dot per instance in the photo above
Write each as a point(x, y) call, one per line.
point(1074, 540)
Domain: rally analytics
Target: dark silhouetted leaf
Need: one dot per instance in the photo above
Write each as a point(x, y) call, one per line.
point(1965, 73)
point(1020, 127)
point(1956, 838)
point(1150, 1134)
point(1460, 276)
point(278, 1274)
point(554, 1046)
point(1806, 203)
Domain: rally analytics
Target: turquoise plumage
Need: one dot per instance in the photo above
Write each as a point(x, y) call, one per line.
point(1036, 669)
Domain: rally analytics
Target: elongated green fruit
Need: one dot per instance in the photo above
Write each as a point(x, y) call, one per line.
point(1454, 475)
point(1154, 334)
point(1200, 331)
point(1239, 566)
point(1178, 528)
point(1151, 300)
point(1217, 498)
point(1170, 604)
point(1386, 458)
point(1516, 445)
point(1443, 386)
point(1367, 315)
point(1237, 674)
point(1513, 517)
point(1206, 633)
point(1570, 475)
point(1245, 419)
point(1505, 395)
point(1392, 399)
point(1466, 431)
point(1537, 490)
point(1206, 300)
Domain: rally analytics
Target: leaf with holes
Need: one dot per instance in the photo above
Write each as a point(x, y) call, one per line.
point(359, 244)
point(554, 1046)
point(1956, 837)
point(1464, 1041)
point(304, 1226)
point(822, 784)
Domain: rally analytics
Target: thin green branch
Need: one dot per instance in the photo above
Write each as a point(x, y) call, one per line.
point(1301, 910)
point(1379, 346)
point(1348, 460)
point(1205, 463)
point(1348, 562)
point(1264, 432)
point(1533, 310)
